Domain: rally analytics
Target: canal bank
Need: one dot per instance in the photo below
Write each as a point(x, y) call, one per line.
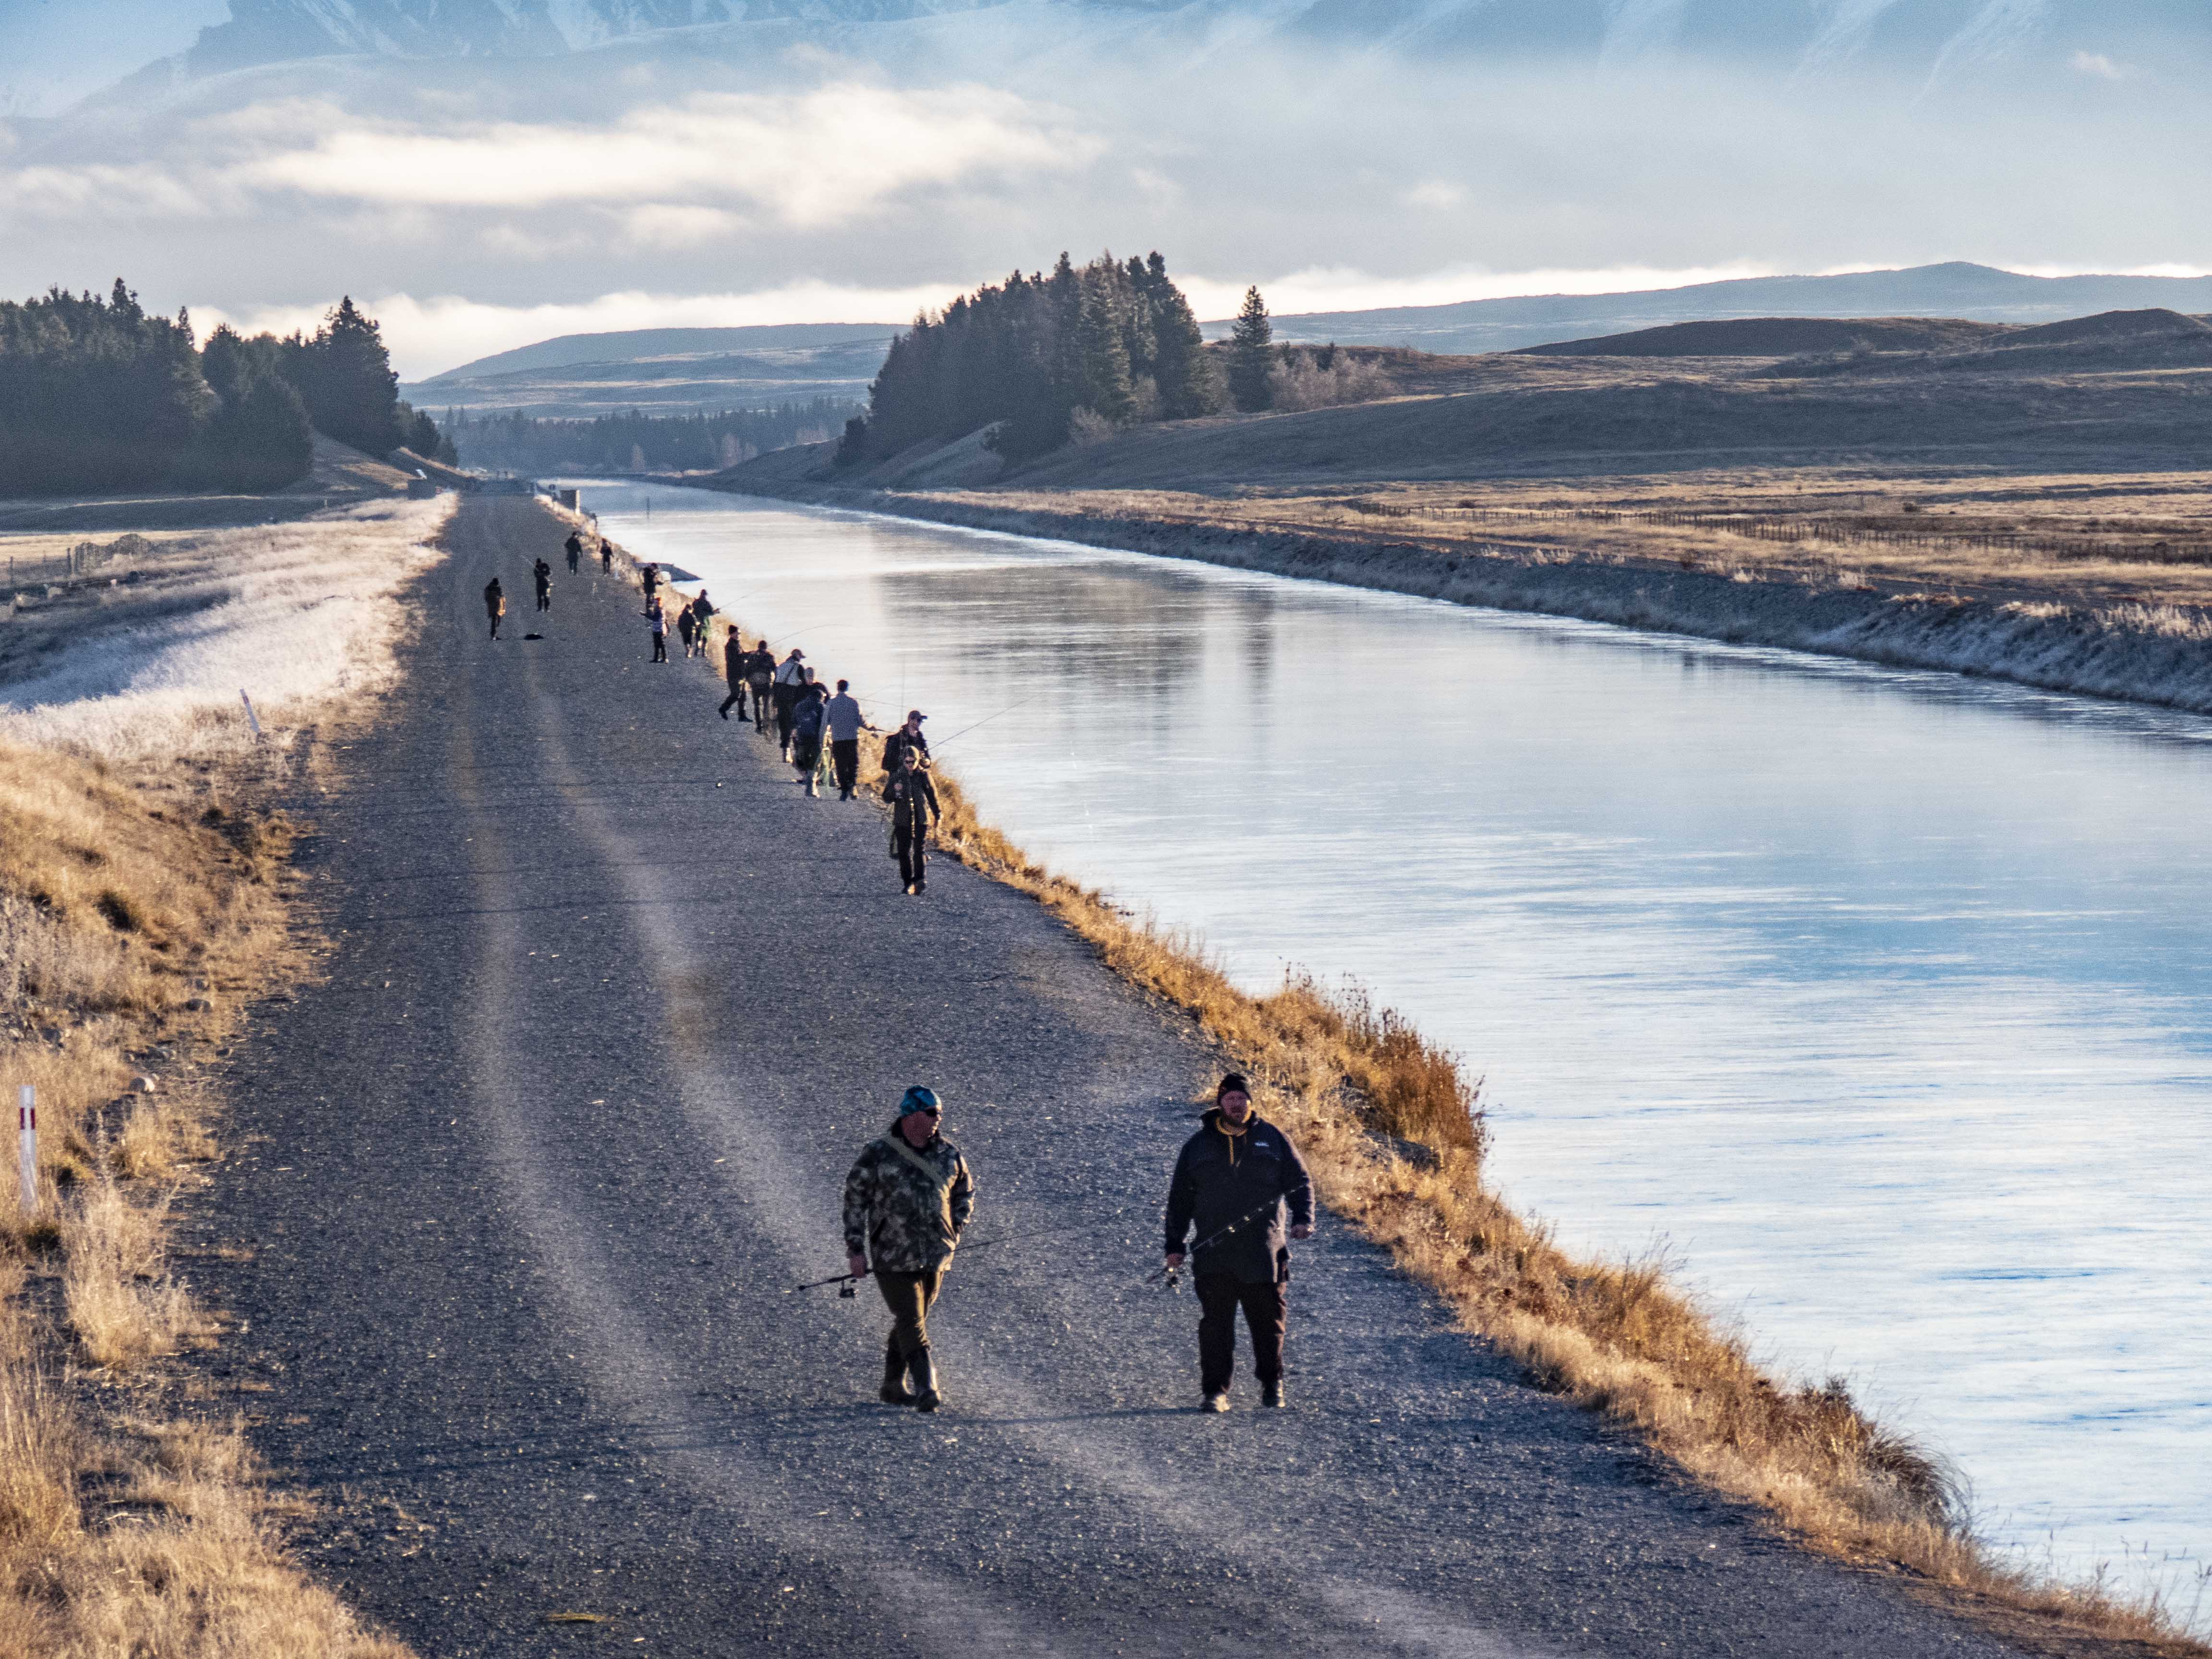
point(2155, 654)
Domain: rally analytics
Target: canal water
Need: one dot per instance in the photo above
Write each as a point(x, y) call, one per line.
point(1880, 1002)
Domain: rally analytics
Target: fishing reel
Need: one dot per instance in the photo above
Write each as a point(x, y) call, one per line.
point(848, 1291)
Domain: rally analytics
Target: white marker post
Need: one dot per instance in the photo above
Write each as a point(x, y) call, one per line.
point(27, 1122)
point(252, 719)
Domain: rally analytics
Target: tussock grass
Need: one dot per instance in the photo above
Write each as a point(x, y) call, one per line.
point(1392, 1127)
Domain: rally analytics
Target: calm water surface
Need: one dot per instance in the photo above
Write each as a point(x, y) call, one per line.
point(1881, 1001)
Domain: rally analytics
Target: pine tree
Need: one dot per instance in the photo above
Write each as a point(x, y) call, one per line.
point(1250, 357)
point(1105, 353)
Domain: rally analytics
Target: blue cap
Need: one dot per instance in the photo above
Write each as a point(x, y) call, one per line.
point(919, 1099)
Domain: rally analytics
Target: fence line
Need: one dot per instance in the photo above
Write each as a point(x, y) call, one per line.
point(70, 563)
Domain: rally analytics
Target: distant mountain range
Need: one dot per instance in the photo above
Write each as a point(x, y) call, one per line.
point(1812, 36)
point(665, 371)
point(1975, 293)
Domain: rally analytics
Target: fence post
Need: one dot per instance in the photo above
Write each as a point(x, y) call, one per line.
point(27, 1122)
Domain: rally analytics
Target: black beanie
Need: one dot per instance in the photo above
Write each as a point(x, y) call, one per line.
point(1234, 1081)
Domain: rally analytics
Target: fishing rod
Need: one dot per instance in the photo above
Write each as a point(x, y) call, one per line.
point(1173, 1275)
point(848, 1280)
point(987, 719)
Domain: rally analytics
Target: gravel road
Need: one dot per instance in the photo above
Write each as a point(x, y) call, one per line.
point(522, 1177)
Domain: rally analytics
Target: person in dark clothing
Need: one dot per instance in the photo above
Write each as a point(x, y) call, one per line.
point(542, 573)
point(908, 1199)
point(1241, 1183)
point(686, 625)
point(913, 805)
point(760, 675)
point(842, 715)
point(657, 619)
point(806, 733)
point(736, 663)
point(702, 614)
point(606, 555)
point(651, 577)
point(907, 737)
point(495, 604)
point(575, 545)
point(791, 675)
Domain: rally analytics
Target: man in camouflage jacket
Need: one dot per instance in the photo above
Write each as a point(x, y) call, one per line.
point(907, 1198)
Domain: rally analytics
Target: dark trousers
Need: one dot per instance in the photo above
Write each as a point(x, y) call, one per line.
point(544, 598)
point(1219, 1295)
point(845, 760)
point(912, 847)
point(737, 696)
point(496, 620)
point(786, 718)
point(909, 1296)
point(661, 647)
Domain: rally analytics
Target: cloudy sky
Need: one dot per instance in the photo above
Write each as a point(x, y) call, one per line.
point(488, 174)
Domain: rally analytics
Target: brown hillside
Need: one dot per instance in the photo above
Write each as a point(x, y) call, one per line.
point(1780, 336)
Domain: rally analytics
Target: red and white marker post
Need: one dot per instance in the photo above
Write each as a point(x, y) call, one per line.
point(27, 1124)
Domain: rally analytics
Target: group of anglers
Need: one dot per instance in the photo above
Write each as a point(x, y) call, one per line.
point(819, 733)
point(541, 577)
point(1239, 1186)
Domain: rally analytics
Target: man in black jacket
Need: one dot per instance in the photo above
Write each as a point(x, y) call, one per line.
point(1242, 1185)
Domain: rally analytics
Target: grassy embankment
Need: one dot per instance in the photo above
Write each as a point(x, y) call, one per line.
point(142, 907)
point(1393, 1129)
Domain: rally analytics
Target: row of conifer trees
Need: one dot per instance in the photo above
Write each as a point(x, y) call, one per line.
point(1111, 342)
point(97, 394)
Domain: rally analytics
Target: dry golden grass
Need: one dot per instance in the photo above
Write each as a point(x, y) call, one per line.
point(2081, 541)
point(133, 916)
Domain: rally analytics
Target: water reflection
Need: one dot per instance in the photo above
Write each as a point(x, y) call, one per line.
point(1882, 998)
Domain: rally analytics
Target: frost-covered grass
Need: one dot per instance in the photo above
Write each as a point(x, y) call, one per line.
point(149, 657)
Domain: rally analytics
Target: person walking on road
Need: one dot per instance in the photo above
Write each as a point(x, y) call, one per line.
point(913, 805)
point(760, 675)
point(843, 716)
point(806, 734)
point(907, 737)
point(686, 624)
point(656, 614)
point(494, 604)
point(907, 1201)
point(737, 665)
point(542, 573)
point(790, 675)
point(606, 555)
point(574, 546)
point(1242, 1185)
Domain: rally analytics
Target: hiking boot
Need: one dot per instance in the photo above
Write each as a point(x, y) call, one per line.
point(1215, 1402)
point(923, 1371)
point(1271, 1393)
point(894, 1390)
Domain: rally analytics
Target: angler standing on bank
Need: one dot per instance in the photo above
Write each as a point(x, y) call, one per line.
point(907, 1198)
point(843, 712)
point(913, 799)
point(1238, 1180)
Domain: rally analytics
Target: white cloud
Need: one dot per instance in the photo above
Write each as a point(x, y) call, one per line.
point(812, 159)
point(1439, 194)
point(429, 336)
point(2096, 63)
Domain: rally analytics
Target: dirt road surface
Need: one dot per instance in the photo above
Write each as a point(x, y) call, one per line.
point(526, 1171)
